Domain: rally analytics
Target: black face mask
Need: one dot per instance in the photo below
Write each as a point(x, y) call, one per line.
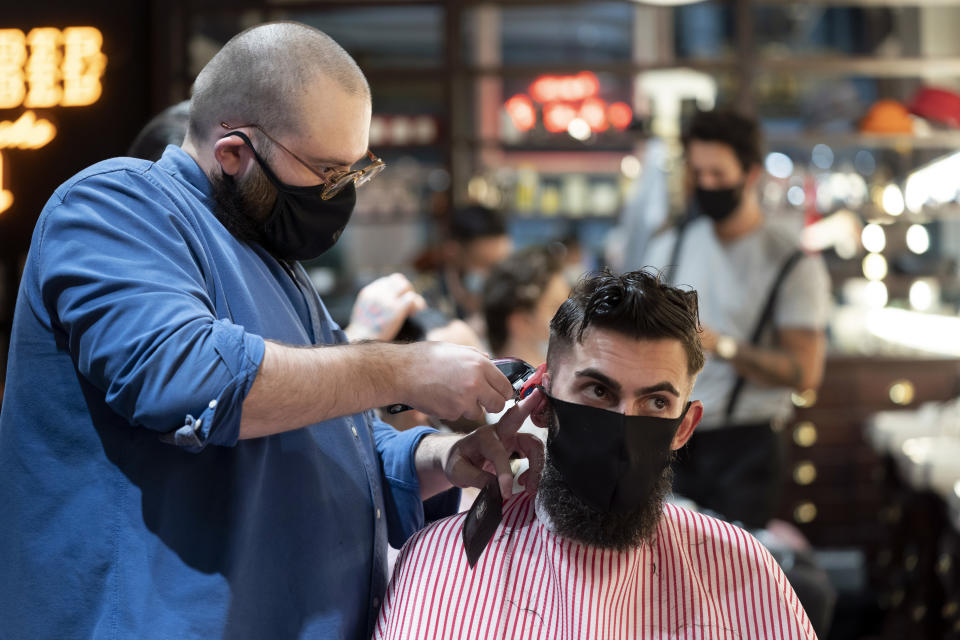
point(611, 461)
point(302, 225)
point(718, 204)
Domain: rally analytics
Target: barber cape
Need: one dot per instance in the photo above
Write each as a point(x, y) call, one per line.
point(700, 578)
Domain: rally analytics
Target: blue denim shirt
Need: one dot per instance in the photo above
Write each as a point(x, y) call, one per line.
point(130, 507)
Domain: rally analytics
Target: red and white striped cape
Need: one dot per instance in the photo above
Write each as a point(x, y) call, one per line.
point(701, 578)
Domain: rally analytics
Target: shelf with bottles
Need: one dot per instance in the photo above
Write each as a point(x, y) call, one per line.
point(528, 192)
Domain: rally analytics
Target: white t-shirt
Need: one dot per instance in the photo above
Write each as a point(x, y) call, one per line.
point(732, 282)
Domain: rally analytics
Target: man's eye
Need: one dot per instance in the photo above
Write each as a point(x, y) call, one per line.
point(598, 391)
point(658, 402)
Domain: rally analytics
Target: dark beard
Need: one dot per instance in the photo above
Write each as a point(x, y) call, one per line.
point(242, 207)
point(573, 518)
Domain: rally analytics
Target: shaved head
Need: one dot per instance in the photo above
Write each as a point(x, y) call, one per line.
point(263, 75)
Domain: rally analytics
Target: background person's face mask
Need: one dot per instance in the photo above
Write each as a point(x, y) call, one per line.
point(302, 225)
point(718, 204)
point(610, 461)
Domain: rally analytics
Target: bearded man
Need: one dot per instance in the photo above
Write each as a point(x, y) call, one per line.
point(599, 553)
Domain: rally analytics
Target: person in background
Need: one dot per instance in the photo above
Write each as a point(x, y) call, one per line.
point(453, 278)
point(166, 128)
point(598, 553)
point(764, 307)
point(520, 296)
point(187, 441)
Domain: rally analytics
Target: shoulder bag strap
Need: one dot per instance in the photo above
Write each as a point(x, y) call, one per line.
point(765, 318)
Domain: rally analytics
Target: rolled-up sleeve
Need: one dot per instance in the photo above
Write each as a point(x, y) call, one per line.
point(397, 451)
point(122, 277)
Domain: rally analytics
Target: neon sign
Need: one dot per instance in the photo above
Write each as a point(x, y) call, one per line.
point(42, 69)
point(564, 99)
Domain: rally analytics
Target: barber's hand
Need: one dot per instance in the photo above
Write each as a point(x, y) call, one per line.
point(449, 381)
point(475, 457)
point(381, 308)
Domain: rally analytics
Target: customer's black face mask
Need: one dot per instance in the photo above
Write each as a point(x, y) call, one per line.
point(611, 461)
point(718, 204)
point(302, 225)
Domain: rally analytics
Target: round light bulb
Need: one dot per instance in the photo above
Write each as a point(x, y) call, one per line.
point(921, 296)
point(873, 238)
point(874, 266)
point(892, 200)
point(876, 294)
point(918, 239)
point(579, 129)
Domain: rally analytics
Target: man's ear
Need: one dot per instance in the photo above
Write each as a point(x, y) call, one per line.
point(753, 176)
point(233, 155)
point(686, 428)
point(540, 415)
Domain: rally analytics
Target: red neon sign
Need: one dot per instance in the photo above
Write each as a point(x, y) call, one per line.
point(564, 98)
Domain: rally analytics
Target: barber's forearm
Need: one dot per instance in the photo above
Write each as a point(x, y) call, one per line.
point(768, 366)
point(430, 458)
point(297, 386)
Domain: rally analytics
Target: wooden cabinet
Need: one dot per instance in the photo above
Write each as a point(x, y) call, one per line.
point(833, 489)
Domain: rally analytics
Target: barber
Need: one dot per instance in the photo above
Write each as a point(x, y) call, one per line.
point(187, 447)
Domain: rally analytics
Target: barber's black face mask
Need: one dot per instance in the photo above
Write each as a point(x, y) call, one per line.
point(611, 461)
point(718, 204)
point(302, 225)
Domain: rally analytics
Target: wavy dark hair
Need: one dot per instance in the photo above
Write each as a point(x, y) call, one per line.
point(516, 284)
point(637, 304)
point(740, 133)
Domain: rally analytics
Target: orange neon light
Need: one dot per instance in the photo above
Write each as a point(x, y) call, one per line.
point(63, 68)
point(6, 197)
point(43, 69)
point(522, 113)
point(594, 113)
point(620, 115)
point(13, 53)
point(83, 64)
point(550, 88)
point(27, 132)
point(557, 116)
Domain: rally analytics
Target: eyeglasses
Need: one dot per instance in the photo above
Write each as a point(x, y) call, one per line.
point(334, 181)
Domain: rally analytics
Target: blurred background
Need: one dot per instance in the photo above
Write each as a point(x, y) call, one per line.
point(551, 113)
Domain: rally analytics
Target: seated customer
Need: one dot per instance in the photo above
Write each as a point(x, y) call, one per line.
point(598, 553)
point(520, 296)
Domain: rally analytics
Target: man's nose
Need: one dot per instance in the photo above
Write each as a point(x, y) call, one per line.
point(629, 408)
point(708, 182)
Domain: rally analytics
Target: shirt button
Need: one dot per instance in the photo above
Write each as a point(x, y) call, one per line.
point(376, 602)
point(213, 404)
point(378, 514)
point(355, 434)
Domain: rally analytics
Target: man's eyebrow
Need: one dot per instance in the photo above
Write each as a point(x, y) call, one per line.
point(660, 386)
point(615, 386)
point(599, 376)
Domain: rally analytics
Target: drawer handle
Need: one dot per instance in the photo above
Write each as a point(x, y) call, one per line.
point(902, 392)
point(805, 513)
point(804, 473)
point(805, 434)
point(804, 400)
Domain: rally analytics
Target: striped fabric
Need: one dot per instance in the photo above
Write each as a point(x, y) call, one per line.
point(702, 578)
